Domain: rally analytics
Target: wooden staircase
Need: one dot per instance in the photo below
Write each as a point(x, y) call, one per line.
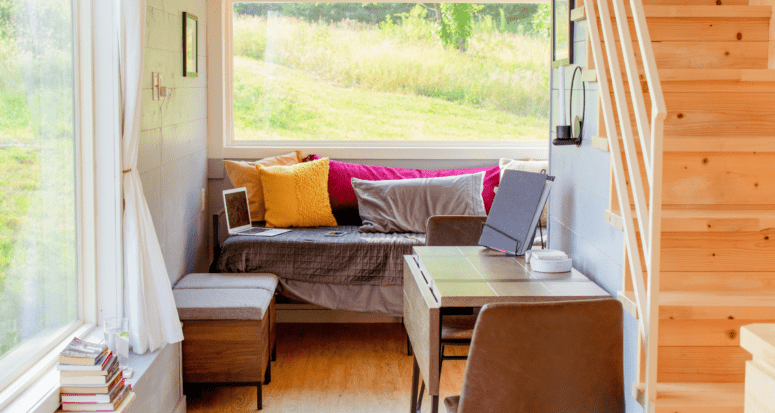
point(713, 270)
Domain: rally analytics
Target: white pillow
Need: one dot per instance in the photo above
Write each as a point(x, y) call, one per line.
point(540, 167)
point(527, 166)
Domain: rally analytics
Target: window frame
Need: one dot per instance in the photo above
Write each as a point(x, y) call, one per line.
point(412, 150)
point(91, 21)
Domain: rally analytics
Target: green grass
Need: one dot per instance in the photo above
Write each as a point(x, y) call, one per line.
point(295, 105)
point(19, 176)
point(354, 81)
point(38, 283)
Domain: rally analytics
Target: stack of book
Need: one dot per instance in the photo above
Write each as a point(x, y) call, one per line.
point(91, 380)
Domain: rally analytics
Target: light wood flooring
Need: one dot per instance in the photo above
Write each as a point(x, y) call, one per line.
point(333, 368)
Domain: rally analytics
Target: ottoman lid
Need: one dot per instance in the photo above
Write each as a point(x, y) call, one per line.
point(222, 304)
point(228, 281)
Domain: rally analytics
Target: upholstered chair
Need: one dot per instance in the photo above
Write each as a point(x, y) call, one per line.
point(452, 231)
point(545, 358)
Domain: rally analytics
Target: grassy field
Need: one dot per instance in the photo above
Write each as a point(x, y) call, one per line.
point(38, 284)
point(316, 81)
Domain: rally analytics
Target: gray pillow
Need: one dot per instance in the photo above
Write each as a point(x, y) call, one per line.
point(405, 205)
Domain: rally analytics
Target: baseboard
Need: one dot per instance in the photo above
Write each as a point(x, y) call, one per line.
point(181, 406)
point(309, 313)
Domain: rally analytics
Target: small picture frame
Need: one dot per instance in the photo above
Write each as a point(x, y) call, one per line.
point(190, 45)
point(562, 33)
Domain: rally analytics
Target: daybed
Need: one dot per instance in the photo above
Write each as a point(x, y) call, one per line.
point(357, 271)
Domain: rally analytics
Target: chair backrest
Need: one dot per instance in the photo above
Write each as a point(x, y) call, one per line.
point(546, 357)
point(454, 230)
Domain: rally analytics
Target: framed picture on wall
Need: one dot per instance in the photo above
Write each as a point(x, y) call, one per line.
point(562, 33)
point(190, 46)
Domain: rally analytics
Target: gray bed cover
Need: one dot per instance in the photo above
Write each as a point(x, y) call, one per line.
point(307, 254)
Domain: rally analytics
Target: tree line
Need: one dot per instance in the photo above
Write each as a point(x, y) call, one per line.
point(513, 17)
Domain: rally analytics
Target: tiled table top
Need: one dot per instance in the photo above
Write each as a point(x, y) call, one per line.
point(474, 276)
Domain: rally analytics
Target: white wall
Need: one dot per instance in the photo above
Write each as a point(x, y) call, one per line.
point(579, 198)
point(173, 141)
point(173, 168)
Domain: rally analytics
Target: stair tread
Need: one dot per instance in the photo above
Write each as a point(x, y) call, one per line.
point(706, 220)
point(706, 11)
point(694, 75)
point(716, 298)
point(721, 300)
point(681, 11)
point(695, 395)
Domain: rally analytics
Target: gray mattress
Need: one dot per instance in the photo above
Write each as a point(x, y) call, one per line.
point(308, 255)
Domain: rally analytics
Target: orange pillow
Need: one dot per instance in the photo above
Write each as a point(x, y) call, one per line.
point(245, 174)
point(297, 195)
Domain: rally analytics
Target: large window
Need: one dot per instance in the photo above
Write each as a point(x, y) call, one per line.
point(39, 291)
point(390, 72)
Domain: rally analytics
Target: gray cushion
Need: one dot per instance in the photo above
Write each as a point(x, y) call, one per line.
point(405, 205)
point(222, 304)
point(229, 281)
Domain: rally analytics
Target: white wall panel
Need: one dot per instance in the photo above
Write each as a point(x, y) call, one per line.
point(149, 156)
point(173, 162)
point(183, 139)
point(150, 118)
point(163, 30)
point(167, 63)
point(184, 105)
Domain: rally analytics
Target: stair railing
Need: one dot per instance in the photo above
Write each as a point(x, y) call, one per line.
point(647, 214)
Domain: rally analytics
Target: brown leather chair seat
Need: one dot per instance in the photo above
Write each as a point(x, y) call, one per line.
point(458, 327)
point(545, 358)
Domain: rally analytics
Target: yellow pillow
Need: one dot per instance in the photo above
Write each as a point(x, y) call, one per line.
point(245, 174)
point(297, 195)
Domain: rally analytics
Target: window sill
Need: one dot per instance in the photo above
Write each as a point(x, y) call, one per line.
point(42, 393)
point(394, 150)
point(37, 390)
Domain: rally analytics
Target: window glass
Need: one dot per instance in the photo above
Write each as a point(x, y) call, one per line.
point(38, 283)
point(391, 71)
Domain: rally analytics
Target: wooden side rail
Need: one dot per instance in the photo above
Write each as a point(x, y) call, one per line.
point(216, 239)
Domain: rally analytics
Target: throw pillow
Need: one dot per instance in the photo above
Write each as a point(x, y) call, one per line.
point(297, 195)
point(405, 205)
point(492, 177)
point(245, 174)
point(539, 167)
point(342, 196)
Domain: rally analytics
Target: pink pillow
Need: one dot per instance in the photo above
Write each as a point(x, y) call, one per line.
point(342, 195)
point(340, 187)
point(491, 180)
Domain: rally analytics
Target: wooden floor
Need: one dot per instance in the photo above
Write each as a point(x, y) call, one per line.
point(336, 368)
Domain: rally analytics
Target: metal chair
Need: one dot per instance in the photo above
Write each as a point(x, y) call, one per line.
point(456, 329)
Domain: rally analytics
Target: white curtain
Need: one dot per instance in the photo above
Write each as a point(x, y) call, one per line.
point(148, 300)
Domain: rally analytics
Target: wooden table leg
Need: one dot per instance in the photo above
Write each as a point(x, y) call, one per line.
point(435, 404)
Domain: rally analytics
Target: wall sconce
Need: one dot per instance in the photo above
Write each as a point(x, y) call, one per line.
point(157, 90)
point(571, 134)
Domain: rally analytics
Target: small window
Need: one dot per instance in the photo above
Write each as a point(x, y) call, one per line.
point(38, 253)
point(345, 72)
